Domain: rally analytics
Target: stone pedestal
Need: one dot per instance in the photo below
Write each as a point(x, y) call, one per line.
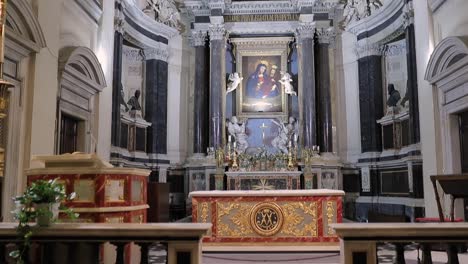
point(219, 181)
point(103, 193)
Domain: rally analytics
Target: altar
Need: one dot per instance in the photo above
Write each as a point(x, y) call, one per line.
point(263, 180)
point(269, 220)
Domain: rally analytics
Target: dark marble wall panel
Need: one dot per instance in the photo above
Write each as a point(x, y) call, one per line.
point(309, 114)
point(116, 89)
point(156, 106)
point(412, 89)
point(216, 91)
point(201, 96)
point(370, 102)
point(325, 132)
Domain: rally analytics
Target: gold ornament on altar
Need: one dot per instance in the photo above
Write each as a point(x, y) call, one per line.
point(219, 158)
point(266, 219)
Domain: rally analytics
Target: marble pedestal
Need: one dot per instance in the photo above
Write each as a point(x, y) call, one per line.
point(263, 180)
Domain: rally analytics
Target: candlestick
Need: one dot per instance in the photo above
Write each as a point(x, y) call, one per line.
point(229, 138)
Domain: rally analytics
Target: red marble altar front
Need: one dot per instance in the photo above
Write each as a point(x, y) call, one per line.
point(269, 218)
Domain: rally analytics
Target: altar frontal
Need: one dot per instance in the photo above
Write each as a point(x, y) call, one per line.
point(292, 220)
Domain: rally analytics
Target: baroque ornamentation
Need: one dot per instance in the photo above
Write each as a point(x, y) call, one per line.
point(408, 14)
point(330, 214)
point(266, 219)
point(217, 32)
point(204, 212)
point(198, 38)
point(295, 219)
point(305, 31)
point(133, 54)
point(166, 12)
point(119, 22)
point(326, 35)
point(355, 10)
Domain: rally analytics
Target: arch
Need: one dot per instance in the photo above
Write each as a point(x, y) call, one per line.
point(82, 64)
point(23, 31)
point(449, 56)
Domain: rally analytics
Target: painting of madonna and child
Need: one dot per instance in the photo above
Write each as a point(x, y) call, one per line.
point(261, 90)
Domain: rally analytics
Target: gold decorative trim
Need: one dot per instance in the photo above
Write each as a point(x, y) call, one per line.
point(266, 219)
point(204, 212)
point(330, 214)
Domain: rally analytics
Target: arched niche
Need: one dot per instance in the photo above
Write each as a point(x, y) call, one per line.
point(80, 80)
point(448, 71)
point(24, 38)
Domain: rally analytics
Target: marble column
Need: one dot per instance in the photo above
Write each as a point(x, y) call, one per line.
point(217, 34)
point(412, 83)
point(201, 92)
point(370, 96)
point(156, 99)
point(305, 39)
point(117, 88)
point(325, 131)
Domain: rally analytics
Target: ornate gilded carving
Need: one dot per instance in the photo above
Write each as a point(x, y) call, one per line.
point(330, 213)
point(295, 216)
point(266, 219)
point(261, 17)
point(204, 212)
point(236, 224)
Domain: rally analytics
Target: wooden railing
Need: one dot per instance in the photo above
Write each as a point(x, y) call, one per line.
point(82, 243)
point(359, 240)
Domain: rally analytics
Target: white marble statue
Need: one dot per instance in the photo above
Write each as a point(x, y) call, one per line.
point(167, 12)
point(355, 10)
point(235, 81)
point(237, 131)
point(286, 133)
point(286, 82)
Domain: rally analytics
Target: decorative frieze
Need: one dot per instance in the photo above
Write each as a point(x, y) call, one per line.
point(305, 30)
point(326, 35)
point(408, 14)
point(160, 53)
point(355, 10)
point(132, 54)
point(217, 32)
point(119, 22)
point(395, 49)
point(365, 50)
point(198, 38)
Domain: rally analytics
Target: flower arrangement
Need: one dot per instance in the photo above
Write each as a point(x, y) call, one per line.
point(40, 202)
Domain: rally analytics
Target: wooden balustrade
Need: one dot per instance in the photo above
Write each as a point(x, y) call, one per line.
point(359, 240)
point(81, 243)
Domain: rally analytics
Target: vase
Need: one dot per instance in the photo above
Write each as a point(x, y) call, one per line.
point(48, 213)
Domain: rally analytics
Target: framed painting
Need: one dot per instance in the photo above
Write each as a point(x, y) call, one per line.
point(260, 62)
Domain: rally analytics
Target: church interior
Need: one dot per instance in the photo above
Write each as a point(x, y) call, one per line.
point(223, 131)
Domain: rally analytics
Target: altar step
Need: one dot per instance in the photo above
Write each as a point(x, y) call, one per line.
point(283, 258)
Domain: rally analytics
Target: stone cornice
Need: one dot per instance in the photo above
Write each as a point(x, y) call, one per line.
point(92, 8)
point(368, 49)
point(158, 53)
point(305, 31)
point(202, 7)
point(217, 32)
point(198, 38)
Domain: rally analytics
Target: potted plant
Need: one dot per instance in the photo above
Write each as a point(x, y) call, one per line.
point(40, 202)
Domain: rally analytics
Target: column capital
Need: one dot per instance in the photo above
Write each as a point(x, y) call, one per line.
point(217, 32)
point(198, 38)
point(158, 53)
point(326, 35)
point(408, 14)
point(368, 49)
point(305, 30)
point(119, 22)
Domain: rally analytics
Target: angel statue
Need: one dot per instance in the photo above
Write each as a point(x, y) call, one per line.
point(237, 131)
point(235, 81)
point(286, 132)
point(167, 12)
point(286, 81)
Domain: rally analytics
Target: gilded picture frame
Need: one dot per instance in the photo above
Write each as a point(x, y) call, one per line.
point(259, 63)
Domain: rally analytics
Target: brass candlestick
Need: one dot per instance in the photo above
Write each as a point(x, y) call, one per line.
point(234, 166)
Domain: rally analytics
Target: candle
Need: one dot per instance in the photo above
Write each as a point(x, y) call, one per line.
point(295, 137)
point(290, 143)
point(318, 148)
point(229, 138)
point(234, 144)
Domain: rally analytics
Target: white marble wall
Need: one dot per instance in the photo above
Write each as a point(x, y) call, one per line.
point(350, 91)
point(133, 73)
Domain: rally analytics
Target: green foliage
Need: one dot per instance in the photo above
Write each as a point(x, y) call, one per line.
point(38, 192)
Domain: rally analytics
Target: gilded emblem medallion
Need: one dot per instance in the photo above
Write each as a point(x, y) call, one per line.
point(266, 219)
